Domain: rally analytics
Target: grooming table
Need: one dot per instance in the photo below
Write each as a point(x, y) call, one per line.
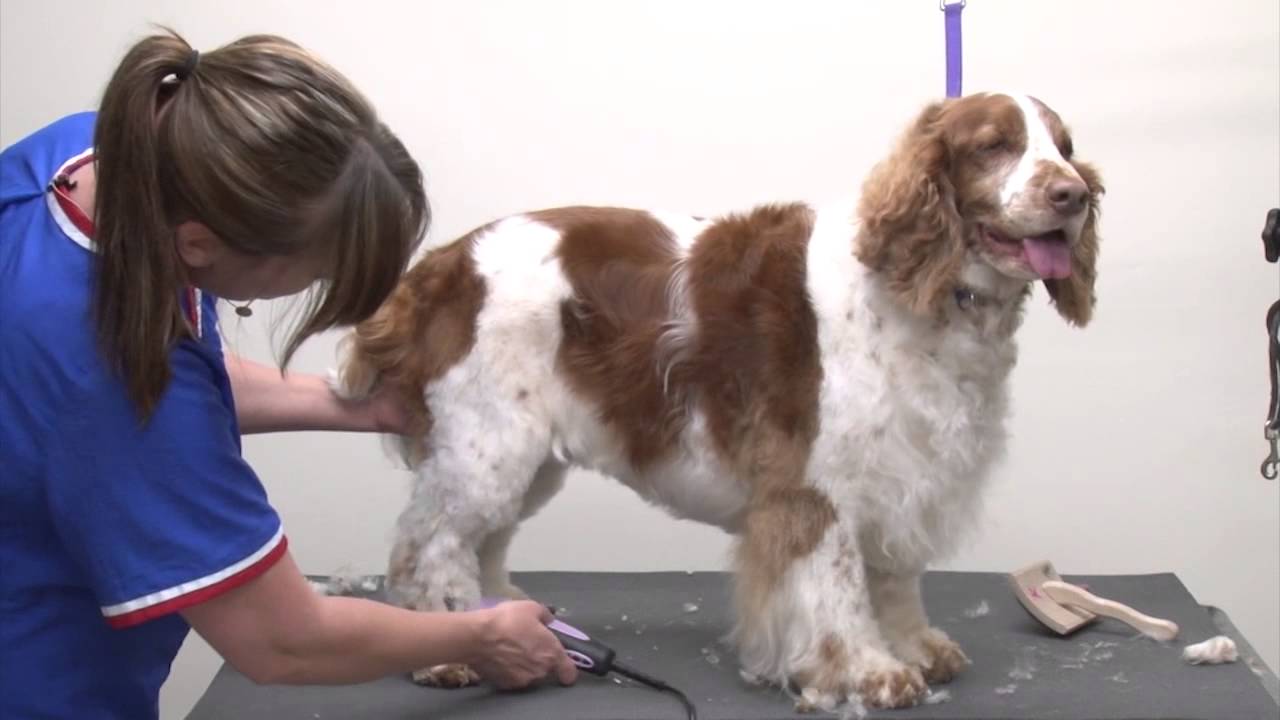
point(670, 625)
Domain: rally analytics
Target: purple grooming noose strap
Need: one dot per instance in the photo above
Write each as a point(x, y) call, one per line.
point(954, 50)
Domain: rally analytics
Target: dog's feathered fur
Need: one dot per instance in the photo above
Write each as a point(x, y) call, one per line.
point(828, 385)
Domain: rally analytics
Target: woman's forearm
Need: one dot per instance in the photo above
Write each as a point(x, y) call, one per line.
point(358, 640)
point(361, 640)
point(276, 630)
point(267, 401)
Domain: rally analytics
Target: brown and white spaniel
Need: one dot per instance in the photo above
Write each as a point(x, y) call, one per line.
point(829, 385)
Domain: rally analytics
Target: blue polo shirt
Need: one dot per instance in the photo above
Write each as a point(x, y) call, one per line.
point(108, 527)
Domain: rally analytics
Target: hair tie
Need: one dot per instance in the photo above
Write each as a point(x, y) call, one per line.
point(190, 66)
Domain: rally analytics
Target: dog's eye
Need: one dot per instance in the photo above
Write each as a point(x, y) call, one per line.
point(1067, 149)
point(993, 145)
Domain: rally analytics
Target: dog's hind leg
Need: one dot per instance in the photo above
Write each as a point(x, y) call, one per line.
point(468, 495)
point(494, 578)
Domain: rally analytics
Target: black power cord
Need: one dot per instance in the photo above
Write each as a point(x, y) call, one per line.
point(597, 658)
point(653, 682)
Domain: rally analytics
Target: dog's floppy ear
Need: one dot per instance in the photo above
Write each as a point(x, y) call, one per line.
point(912, 232)
point(1074, 296)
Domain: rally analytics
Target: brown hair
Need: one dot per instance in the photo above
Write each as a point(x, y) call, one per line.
point(276, 153)
point(912, 231)
point(1074, 297)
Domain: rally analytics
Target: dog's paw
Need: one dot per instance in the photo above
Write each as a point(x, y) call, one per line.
point(813, 700)
point(893, 687)
point(945, 658)
point(871, 677)
point(937, 656)
point(446, 676)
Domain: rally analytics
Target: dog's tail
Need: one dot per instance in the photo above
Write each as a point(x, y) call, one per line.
point(425, 327)
point(357, 375)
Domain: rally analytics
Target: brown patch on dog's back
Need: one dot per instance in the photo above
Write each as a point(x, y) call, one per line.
point(619, 263)
point(426, 327)
point(751, 363)
point(757, 350)
point(757, 374)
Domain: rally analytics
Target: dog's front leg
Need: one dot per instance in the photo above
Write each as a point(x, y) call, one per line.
point(805, 616)
point(900, 610)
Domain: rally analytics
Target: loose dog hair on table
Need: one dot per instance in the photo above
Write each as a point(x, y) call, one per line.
point(829, 385)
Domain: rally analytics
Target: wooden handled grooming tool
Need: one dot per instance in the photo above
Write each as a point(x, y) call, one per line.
point(1065, 608)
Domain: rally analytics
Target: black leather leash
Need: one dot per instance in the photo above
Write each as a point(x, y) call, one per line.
point(1271, 247)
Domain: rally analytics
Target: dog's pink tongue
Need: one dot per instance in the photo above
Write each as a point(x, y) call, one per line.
point(1049, 258)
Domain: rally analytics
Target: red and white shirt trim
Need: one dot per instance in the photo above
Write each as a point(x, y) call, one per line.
point(68, 217)
point(75, 225)
point(157, 604)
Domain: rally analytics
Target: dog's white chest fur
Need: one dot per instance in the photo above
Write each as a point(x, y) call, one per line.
point(911, 411)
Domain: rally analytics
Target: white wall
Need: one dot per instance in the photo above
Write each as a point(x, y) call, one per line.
point(1135, 443)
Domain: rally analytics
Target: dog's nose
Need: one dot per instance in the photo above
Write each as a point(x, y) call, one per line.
point(1068, 196)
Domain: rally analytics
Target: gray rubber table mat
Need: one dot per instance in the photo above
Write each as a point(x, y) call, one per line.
point(671, 624)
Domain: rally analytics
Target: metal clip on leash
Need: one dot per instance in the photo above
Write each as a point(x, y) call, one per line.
point(1271, 246)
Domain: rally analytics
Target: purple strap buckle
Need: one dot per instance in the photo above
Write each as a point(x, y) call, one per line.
point(955, 70)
